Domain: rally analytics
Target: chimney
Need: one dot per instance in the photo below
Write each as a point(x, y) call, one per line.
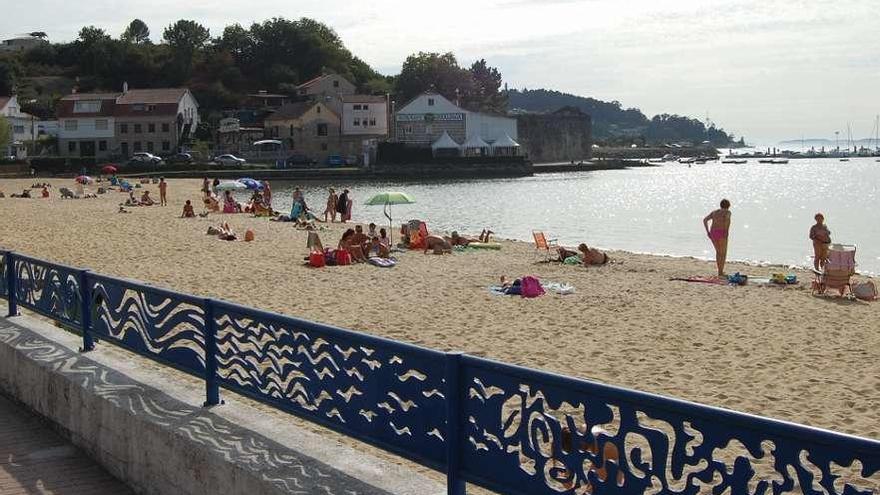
point(125, 87)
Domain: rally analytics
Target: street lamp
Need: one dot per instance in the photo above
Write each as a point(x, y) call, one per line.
point(33, 129)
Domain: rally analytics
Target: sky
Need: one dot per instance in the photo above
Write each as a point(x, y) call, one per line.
point(765, 69)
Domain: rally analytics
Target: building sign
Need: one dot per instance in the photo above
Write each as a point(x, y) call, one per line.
point(229, 125)
point(429, 117)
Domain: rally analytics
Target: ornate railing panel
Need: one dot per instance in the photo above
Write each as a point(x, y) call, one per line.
point(2, 273)
point(157, 323)
point(49, 289)
point(386, 392)
point(533, 432)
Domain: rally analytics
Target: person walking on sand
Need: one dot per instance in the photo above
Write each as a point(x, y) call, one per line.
point(342, 205)
point(330, 211)
point(821, 237)
point(206, 187)
point(718, 233)
point(163, 192)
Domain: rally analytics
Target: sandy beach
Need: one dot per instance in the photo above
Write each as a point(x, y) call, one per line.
point(772, 351)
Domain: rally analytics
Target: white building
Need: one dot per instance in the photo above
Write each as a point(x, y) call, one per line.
point(364, 115)
point(425, 119)
point(20, 43)
point(22, 124)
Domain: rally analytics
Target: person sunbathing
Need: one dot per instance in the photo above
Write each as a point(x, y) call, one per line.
point(355, 250)
point(226, 232)
point(438, 244)
point(383, 237)
point(230, 205)
point(188, 211)
point(146, 200)
point(132, 201)
point(211, 203)
point(45, 192)
point(377, 248)
point(592, 256)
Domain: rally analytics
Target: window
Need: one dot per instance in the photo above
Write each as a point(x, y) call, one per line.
point(322, 129)
point(357, 107)
point(150, 108)
point(124, 149)
point(137, 146)
point(137, 108)
point(318, 110)
point(102, 145)
point(71, 146)
point(165, 127)
point(86, 106)
point(372, 121)
point(101, 125)
point(123, 128)
point(365, 107)
point(150, 146)
point(291, 129)
point(71, 125)
point(335, 83)
point(18, 129)
point(430, 102)
point(357, 122)
point(138, 129)
point(166, 145)
point(151, 127)
point(323, 146)
point(407, 129)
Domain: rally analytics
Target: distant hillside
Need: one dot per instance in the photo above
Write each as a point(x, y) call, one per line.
point(612, 122)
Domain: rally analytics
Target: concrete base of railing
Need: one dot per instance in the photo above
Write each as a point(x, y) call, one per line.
point(144, 423)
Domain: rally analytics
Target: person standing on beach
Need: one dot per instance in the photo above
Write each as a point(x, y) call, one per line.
point(206, 187)
point(342, 205)
point(330, 210)
point(163, 192)
point(821, 237)
point(718, 233)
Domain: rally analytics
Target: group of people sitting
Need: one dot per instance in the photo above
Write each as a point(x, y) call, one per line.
point(146, 199)
point(362, 246)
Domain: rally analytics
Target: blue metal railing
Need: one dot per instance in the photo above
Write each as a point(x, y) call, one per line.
point(507, 428)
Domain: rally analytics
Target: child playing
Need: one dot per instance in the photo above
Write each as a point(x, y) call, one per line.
point(821, 237)
point(188, 211)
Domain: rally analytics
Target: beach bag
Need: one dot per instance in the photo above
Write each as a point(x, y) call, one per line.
point(737, 279)
point(865, 291)
point(531, 287)
point(248, 235)
point(316, 259)
point(343, 257)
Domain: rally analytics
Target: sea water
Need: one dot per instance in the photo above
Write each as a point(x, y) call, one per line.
point(655, 210)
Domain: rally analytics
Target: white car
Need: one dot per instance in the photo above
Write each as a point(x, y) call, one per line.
point(144, 157)
point(229, 160)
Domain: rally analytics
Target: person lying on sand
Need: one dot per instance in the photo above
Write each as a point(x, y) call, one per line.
point(132, 201)
point(25, 193)
point(438, 244)
point(188, 211)
point(226, 232)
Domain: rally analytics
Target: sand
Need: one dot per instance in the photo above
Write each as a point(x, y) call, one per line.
point(776, 352)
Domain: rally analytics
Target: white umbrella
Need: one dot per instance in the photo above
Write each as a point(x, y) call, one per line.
point(231, 185)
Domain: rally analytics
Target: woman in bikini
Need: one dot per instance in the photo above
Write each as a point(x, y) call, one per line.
point(718, 233)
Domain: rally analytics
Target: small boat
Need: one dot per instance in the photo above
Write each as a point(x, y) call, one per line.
point(844, 159)
point(700, 162)
point(740, 161)
point(779, 161)
point(687, 160)
point(765, 160)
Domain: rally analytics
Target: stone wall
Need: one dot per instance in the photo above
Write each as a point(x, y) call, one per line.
point(561, 136)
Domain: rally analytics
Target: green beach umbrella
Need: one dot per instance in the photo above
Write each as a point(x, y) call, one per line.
point(390, 198)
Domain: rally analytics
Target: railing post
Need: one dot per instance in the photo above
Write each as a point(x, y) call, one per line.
point(212, 388)
point(85, 294)
point(11, 285)
point(454, 484)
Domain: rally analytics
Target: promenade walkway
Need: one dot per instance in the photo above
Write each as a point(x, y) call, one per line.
point(36, 460)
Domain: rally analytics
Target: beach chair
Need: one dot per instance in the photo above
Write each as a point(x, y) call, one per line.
point(544, 244)
point(837, 272)
point(314, 243)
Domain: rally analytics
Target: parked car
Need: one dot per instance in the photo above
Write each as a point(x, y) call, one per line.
point(335, 160)
point(299, 159)
point(180, 158)
point(143, 157)
point(351, 160)
point(229, 160)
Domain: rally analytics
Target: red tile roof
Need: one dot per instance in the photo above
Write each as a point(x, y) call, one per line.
point(152, 96)
point(66, 105)
point(134, 103)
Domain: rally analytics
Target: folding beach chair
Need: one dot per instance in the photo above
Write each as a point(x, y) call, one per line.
point(544, 244)
point(314, 243)
point(838, 271)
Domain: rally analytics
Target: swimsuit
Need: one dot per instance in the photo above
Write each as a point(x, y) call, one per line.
point(718, 234)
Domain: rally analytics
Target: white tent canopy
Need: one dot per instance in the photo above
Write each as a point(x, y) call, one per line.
point(445, 142)
point(475, 142)
point(505, 142)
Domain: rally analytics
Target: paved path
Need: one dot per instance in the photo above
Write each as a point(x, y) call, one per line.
point(36, 460)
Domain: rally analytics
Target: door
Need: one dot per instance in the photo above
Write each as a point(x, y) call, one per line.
point(125, 149)
point(86, 148)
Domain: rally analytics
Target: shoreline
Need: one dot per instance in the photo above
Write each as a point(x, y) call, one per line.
point(754, 349)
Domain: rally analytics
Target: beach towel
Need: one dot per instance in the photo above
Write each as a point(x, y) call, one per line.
point(295, 211)
point(572, 260)
point(701, 279)
point(381, 262)
point(558, 288)
point(484, 245)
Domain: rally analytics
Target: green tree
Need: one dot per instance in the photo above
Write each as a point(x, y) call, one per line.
point(39, 34)
point(5, 134)
point(440, 72)
point(137, 32)
point(186, 39)
point(487, 95)
point(9, 73)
